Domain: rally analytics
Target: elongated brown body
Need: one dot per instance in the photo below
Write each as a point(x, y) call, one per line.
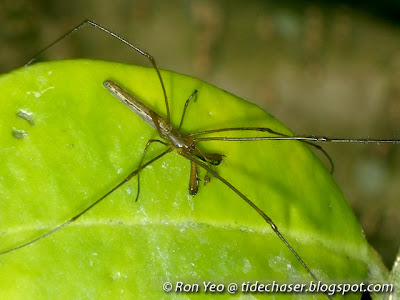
point(183, 143)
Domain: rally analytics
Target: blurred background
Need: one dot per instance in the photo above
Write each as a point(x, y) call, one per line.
point(322, 67)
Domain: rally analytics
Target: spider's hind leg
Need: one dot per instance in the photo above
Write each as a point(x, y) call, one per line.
point(212, 159)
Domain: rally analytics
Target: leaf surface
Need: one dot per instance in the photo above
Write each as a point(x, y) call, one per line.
point(66, 141)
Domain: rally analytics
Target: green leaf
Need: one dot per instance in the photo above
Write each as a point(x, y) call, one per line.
point(66, 141)
point(394, 279)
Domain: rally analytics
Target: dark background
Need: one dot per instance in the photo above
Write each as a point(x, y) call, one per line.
point(322, 67)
